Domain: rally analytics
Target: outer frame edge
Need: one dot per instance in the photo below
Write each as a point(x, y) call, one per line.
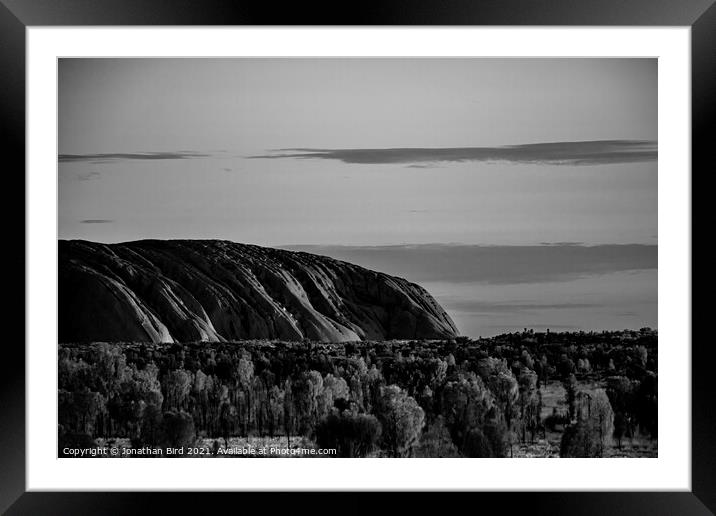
point(12, 59)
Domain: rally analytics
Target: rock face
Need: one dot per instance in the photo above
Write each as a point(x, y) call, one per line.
point(211, 290)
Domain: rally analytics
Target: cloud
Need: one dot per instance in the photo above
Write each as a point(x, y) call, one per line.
point(423, 165)
point(96, 221)
point(89, 176)
point(601, 152)
point(457, 263)
point(110, 157)
point(486, 307)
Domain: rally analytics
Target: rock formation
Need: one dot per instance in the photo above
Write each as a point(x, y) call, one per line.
point(211, 290)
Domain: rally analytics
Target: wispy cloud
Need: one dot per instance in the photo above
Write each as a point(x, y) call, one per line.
point(423, 165)
point(601, 152)
point(486, 307)
point(124, 156)
point(89, 176)
point(97, 221)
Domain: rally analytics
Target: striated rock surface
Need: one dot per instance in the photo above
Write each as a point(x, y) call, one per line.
point(212, 290)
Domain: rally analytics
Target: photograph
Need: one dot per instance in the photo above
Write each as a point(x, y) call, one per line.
point(357, 257)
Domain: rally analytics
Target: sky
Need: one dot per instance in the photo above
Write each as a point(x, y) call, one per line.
point(344, 154)
point(487, 290)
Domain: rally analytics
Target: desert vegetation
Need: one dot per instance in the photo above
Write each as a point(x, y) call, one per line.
point(585, 394)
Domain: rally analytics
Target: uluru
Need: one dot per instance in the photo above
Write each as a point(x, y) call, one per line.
point(216, 290)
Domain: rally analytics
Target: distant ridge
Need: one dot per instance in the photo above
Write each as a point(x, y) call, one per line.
point(215, 290)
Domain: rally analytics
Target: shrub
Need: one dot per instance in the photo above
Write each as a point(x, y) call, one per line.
point(436, 441)
point(150, 432)
point(177, 430)
point(476, 445)
point(351, 435)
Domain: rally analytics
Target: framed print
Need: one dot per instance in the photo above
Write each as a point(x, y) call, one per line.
point(439, 248)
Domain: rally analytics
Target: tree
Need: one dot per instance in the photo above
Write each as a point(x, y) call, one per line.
point(620, 428)
point(642, 355)
point(136, 390)
point(647, 404)
point(78, 411)
point(402, 421)
point(592, 431)
point(450, 360)
point(436, 373)
point(467, 406)
point(506, 390)
point(261, 404)
point(217, 398)
point(527, 360)
point(177, 385)
point(372, 383)
point(545, 368)
point(289, 411)
point(109, 366)
point(530, 403)
point(245, 378)
point(570, 389)
point(497, 433)
point(275, 409)
point(150, 432)
point(199, 399)
point(334, 389)
point(307, 391)
point(426, 400)
point(565, 366)
point(227, 415)
point(621, 392)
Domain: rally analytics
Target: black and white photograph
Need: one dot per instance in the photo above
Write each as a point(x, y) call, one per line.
point(347, 257)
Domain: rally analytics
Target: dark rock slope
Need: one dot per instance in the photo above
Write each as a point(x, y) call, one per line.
point(211, 290)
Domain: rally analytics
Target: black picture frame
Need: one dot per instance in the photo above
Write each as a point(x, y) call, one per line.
point(17, 15)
